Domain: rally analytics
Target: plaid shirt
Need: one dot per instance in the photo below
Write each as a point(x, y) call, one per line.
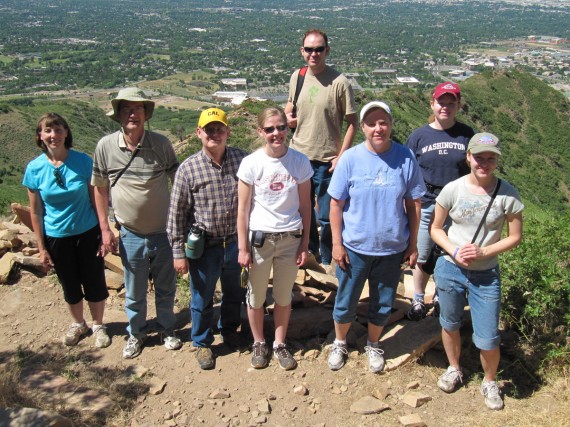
point(204, 194)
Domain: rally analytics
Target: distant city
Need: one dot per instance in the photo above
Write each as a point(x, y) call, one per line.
point(231, 50)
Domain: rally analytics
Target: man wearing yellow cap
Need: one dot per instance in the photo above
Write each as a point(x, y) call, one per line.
point(204, 200)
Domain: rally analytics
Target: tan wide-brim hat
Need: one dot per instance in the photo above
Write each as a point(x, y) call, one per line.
point(133, 94)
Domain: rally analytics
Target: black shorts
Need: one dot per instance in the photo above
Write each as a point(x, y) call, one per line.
point(79, 269)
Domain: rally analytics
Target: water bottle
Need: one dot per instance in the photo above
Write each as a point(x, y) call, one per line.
point(195, 243)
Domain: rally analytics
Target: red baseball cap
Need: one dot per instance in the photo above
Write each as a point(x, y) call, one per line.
point(447, 87)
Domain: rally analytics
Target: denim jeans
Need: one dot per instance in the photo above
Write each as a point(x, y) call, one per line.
point(143, 255)
point(382, 273)
point(458, 287)
point(216, 263)
point(319, 186)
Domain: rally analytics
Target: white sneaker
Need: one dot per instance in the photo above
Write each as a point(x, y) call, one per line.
point(102, 339)
point(133, 347)
point(337, 356)
point(449, 381)
point(376, 360)
point(170, 340)
point(492, 393)
point(74, 333)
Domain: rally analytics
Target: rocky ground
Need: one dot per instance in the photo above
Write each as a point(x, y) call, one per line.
point(167, 388)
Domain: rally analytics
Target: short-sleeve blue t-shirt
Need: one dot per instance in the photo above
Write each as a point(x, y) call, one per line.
point(375, 187)
point(67, 206)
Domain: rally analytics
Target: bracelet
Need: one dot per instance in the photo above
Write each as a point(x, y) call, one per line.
point(455, 252)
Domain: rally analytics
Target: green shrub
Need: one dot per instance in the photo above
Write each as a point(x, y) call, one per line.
point(536, 281)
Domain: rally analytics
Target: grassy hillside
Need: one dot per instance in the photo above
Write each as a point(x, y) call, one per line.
point(532, 120)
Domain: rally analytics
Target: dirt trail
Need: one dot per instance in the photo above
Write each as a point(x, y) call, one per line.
point(33, 319)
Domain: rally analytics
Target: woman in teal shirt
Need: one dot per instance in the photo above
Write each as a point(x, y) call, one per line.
point(66, 225)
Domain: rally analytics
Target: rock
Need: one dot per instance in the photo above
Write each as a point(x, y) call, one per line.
point(30, 251)
point(219, 394)
point(6, 264)
point(368, 405)
point(311, 354)
point(137, 371)
point(114, 280)
point(168, 416)
point(263, 406)
point(23, 417)
point(300, 390)
point(156, 386)
point(381, 393)
point(22, 212)
point(260, 420)
point(170, 423)
point(183, 420)
point(244, 408)
point(413, 385)
point(412, 420)
point(415, 399)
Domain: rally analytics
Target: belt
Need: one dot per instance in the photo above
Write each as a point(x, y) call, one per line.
point(283, 234)
point(434, 189)
point(220, 241)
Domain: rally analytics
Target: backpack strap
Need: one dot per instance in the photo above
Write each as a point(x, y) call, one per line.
point(300, 81)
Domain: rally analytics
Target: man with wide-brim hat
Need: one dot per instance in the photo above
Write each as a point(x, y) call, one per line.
point(132, 167)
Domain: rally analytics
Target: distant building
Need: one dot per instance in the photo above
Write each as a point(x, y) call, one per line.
point(235, 98)
point(384, 71)
point(410, 81)
point(235, 83)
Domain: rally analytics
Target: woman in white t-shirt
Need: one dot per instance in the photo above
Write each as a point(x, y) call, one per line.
point(469, 274)
point(274, 214)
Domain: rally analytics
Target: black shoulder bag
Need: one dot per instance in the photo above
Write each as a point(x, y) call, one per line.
point(298, 87)
point(137, 149)
point(437, 251)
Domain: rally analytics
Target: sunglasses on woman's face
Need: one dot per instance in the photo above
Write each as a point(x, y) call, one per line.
point(271, 129)
point(58, 178)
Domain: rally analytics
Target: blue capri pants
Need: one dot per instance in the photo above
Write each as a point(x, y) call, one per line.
point(481, 290)
point(382, 273)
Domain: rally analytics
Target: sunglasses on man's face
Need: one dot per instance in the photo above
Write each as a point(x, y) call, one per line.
point(271, 129)
point(319, 49)
point(58, 178)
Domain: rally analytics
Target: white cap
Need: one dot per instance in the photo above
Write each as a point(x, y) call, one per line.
point(372, 105)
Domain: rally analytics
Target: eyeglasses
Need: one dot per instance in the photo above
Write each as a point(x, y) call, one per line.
point(271, 129)
point(319, 49)
point(215, 129)
point(132, 110)
point(58, 178)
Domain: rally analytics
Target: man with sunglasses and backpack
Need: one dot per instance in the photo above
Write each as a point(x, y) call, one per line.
point(320, 100)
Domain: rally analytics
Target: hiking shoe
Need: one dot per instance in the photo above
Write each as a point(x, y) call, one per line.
point(205, 358)
point(449, 381)
point(133, 347)
point(74, 333)
point(102, 339)
point(286, 360)
point(492, 393)
point(170, 340)
point(337, 356)
point(259, 357)
point(376, 360)
point(436, 305)
point(417, 311)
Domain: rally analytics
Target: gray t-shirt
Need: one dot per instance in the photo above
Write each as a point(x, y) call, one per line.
point(466, 210)
point(141, 196)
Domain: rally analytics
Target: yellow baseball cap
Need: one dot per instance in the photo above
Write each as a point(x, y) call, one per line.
point(212, 115)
